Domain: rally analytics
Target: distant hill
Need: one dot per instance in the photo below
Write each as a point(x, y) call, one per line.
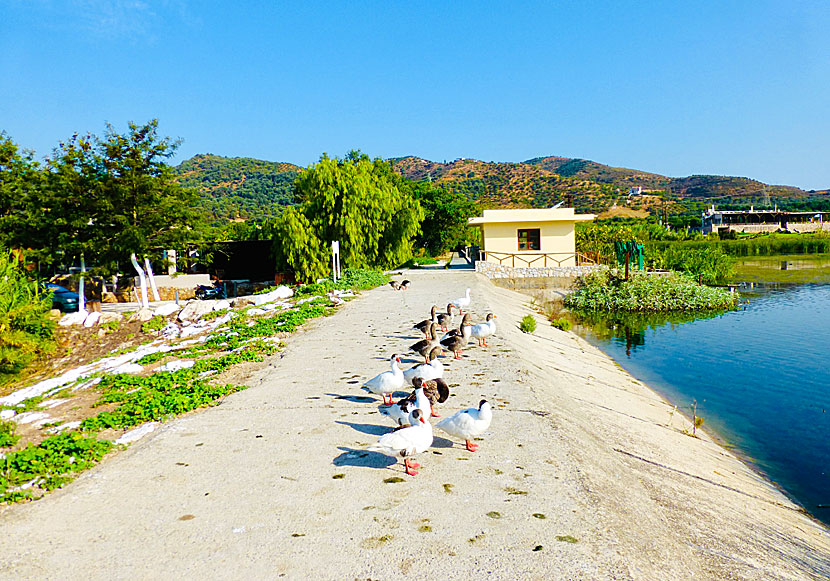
point(239, 188)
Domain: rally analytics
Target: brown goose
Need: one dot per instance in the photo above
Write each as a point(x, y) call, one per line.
point(457, 343)
point(461, 330)
point(445, 319)
point(423, 326)
point(425, 346)
point(395, 284)
point(436, 390)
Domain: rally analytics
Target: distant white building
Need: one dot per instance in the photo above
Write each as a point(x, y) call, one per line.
point(635, 191)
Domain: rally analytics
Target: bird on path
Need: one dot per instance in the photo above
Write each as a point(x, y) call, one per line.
point(423, 326)
point(436, 390)
point(400, 411)
point(386, 383)
point(457, 343)
point(446, 319)
point(425, 346)
point(395, 284)
point(405, 284)
point(469, 423)
point(483, 330)
point(432, 370)
point(462, 302)
point(414, 439)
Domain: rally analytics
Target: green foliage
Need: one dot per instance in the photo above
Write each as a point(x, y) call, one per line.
point(51, 463)
point(26, 330)
point(606, 290)
point(561, 323)
point(528, 324)
point(361, 279)
point(445, 218)
point(361, 203)
point(708, 262)
point(154, 325)
point(7, 436)
point(597, 238)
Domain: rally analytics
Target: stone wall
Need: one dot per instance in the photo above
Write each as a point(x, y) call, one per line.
point(524, 278)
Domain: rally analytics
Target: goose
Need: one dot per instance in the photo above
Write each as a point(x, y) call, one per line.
point(429, 371)
point(436, 390)
point(462, 302)
point(446, 319)
point(457, 343)
point(395, 284)
point(425, 346)
point(386, 383)
point(460, 331)
point(414, 439)
point(400, 411)
point(469, 423)
point(405, 284)
point(423, 326)
point(484, 330)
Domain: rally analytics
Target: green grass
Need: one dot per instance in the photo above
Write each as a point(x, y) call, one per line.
point(528, 324)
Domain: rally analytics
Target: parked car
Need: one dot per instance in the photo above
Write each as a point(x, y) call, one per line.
point(62, 298)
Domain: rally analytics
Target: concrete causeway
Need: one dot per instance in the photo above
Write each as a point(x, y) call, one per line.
point(584, 474)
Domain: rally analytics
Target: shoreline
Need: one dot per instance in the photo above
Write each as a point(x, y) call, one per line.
point(578, 476)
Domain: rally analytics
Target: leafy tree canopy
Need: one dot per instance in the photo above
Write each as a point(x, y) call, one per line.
point(445, 218)
point(360, 202)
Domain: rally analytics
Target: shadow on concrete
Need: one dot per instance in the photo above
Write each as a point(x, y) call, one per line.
point(371, 429)
point(363, 458)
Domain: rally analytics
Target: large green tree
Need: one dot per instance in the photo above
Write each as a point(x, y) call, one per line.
point(445, 218)
point(20, 179)
point(107, 197)
point(360, 202)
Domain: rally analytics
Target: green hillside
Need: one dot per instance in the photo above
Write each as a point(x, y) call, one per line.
point(239, 188)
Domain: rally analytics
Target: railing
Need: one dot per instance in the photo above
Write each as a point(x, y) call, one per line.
point(530, 259)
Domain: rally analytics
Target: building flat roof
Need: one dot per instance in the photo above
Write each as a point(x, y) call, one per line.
point(530, 215)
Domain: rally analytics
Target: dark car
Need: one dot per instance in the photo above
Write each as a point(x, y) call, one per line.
point(62, 298)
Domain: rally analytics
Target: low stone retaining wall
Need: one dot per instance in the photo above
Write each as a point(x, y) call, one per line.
point(496, 271)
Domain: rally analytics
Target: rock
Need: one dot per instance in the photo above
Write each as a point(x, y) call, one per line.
point(29, 417)
point(256, 312)
point(222, 305)
point(241, 302)
point(166, 310)
point(282, 292)
point(194, 310)
point(109, 317)
point(137, 433)
point(141, 315)
point(109, 298)
point(128, 368)
point(92, 319)
point(76, 318)
point(177, 364)
point(6, 414)
point(171, 331)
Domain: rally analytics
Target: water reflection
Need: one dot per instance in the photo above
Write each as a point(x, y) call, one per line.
point(629, 329)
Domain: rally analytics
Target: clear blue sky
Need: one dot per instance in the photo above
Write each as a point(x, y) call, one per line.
point(733, 88)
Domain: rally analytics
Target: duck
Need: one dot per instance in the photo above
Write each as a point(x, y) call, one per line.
point(405, 284)
point(400, 411)
point(395, 284)
point(457, 343)
point(432, 370)
point(446, 319)
point(414, 439)
point(436, 391)
point(462, 302)
point(484, 330)
point(425, 346)
point(423, 326)
point(469, 423)
point(386, 383)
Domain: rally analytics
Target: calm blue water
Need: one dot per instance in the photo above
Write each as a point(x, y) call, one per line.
point(761, 377)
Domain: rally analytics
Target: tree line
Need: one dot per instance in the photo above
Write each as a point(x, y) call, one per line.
point(107, 197)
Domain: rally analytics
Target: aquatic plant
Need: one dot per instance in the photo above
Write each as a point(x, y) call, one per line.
point(607, 290)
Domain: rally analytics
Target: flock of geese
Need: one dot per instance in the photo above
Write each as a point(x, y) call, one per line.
point(411, 414)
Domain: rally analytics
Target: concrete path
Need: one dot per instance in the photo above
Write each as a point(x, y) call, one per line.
point(584, 474)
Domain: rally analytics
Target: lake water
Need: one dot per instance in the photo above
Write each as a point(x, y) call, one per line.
point(760, 375)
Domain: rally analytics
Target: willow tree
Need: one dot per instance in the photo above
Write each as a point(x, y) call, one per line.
point(362, 203)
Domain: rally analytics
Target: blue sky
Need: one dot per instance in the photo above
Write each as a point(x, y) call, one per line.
point(732, 88)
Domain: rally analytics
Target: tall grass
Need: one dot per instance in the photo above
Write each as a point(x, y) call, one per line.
point(26, 330)
point(760, 245)
point(708, 262)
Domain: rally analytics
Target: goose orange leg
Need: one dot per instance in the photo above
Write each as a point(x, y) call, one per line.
point(432, 413)
point(471, 447)
point(409, 467)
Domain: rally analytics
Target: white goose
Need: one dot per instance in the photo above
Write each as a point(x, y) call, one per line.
point(462, 302)
point(400, 411)
point(469, 423)
point(484, 330)
point(386, 383)
point(411, 440)
point(433, 370)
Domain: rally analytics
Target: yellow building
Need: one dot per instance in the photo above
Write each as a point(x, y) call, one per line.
point(530, 238)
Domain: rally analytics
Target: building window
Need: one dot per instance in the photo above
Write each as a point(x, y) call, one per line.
point(529, 239)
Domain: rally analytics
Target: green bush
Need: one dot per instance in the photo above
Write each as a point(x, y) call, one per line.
point(561, 323)
point(707, 262)
point(26, 330)
point(606, 290)
point(528, 324)
point(7, 435)
point(155, 324)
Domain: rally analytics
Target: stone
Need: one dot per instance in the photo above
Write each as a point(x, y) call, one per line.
point(76, 318)
point(194, 310)
point(108, 317)
point(221, 305)
point(92, 319)
point(142, 315)
point(166, 309)
point(241, 302)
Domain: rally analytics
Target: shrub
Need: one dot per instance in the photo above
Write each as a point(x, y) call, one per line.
point(528, 324)
point(26, 330)
point(157, 323)
point(7, 435)
point(709, 262)
point(561, 323)
point(606, 290)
